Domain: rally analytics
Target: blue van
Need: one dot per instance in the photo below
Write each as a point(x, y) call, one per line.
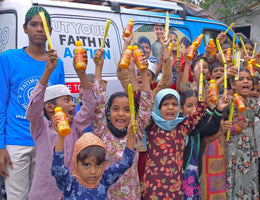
point(73, 21)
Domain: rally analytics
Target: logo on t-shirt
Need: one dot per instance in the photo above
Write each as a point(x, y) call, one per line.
point(25, 89)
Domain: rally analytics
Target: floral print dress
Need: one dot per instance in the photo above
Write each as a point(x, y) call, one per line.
point(164, 165)
point(128, 186)
point(242, 158)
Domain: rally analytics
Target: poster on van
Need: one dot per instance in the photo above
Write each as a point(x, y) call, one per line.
point(67, 30)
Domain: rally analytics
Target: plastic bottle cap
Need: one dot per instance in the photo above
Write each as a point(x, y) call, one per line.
point(211, 40)
point(131, 20)
point(57, 109)
point(249, 62)
point(235, 94)
point(212, 81)
point(135, 47)
point(130, 47)
point(171, 44)
point(78, 43)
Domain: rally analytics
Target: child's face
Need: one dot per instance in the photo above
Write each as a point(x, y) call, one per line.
point(243, 85)
point(183, 48)
point(169, 109)
point(249, 49)
point(174, 41)
point(205, 70)
point(139, 78)
point(68, 106)
point(189, 105)
point(90, 171)
point(158, 30)
point(147, 49)
point(35, 31)
point(217, 72)
point(120, 112)
point(255, 92)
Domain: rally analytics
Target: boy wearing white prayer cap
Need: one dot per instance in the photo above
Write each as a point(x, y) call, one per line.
point(40, 112)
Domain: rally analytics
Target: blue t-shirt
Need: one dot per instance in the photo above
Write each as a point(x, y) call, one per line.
point(19, 74)
point(72, 190)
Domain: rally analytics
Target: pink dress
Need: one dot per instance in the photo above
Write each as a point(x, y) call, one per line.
point(45, 137)
point(128, 186)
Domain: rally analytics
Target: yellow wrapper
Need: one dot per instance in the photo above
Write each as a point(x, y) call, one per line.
point(230, 118)
point(178, 46)
point(46, 29)
point(229, 27)
point(105, 33)
point(225, 65)
point(166, 26)
point(201, 81)
point(243, 45)
point(254, 49)
point(132, 106)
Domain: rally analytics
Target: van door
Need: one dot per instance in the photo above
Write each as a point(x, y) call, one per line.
point(8, 30)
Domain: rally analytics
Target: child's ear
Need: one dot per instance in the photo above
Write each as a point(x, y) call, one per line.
point(49, 107)
point(232, 84)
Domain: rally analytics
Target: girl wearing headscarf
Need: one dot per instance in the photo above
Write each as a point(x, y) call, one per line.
point(110, 124)
point(89, 180)
point(165, 145)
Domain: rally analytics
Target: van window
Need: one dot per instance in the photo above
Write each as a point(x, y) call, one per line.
point(8, 30)
point(212, 34)
point(146, 35)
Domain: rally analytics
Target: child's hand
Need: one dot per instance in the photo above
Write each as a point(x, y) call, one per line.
point(130, 140)
point(178, 64)
point(225, 126)
point(222, 37)
point(222, 103)
point(232, 71)
point(207, 98)
point(144, 61)
point(186, 52)
point(52, 60)
point(99, 57)
point(131, 66)
point(127, 39)
point(207, 51)
point(55, 121)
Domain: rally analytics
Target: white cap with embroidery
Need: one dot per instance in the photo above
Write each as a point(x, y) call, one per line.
point(55, 91)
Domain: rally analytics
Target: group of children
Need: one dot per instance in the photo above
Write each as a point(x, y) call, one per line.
point(187, 155)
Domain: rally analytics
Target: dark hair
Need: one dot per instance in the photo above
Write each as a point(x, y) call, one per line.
point(196, 59)
point(52, 101)
point(172, 32)
point(97, 151)
point(226, 45)
point(255, 81)
point(242, 69)
point(186, 94)
point(167, 96)
point(35, 11)
point(143, 39)
point(216, 64)
point(246, 41)
point(184, 40)
point(139, 46)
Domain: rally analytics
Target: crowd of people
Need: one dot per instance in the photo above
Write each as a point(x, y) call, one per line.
point(181, 148)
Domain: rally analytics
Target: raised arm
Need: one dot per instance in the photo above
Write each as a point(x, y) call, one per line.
point(122, 74)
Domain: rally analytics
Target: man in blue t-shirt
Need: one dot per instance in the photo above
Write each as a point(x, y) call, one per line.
point(20, 70)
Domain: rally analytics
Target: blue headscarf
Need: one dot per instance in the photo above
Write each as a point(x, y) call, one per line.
point(156, 114)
